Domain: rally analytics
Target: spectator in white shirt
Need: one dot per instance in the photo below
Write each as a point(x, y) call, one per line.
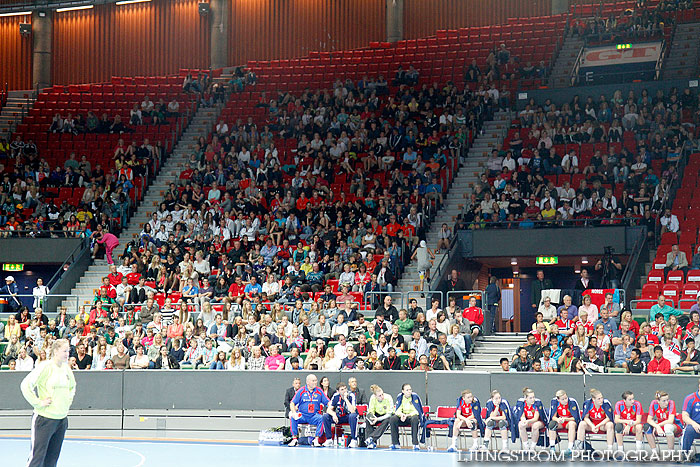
point(669, 222)
point(222, 128)
point(569, 163)
point(340, 329)
point(39, 292)
point(147, 106)
point(566, 192)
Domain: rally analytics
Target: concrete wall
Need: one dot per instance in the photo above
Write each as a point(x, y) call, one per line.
point(264, 391)
point(560, 242)
point(560, 96)
point(36, 250)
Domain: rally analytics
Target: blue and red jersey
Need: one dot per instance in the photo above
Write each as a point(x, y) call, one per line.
point(339, 405)
point(691, 405)
point(661, 415)
point(309, 401)
point(628, 413)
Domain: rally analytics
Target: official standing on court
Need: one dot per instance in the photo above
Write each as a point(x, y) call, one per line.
point(50, 389)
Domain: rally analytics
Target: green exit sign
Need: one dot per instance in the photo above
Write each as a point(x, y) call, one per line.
point(13, 267)
point(624, 46)
point(546, 260)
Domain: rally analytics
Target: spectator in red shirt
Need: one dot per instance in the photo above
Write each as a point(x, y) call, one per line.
point(659, 365)
point(237, 288)
point(109, 289)
point(392, 228)
point(475, 316)
point(115, 278)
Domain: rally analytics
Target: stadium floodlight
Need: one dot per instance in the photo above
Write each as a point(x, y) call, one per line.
point(127, 2)
point(74, 8)
point(16, 13)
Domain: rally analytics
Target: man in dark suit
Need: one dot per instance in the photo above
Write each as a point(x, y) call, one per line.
point(289, 395)
point(538, 285)
point(584, 282)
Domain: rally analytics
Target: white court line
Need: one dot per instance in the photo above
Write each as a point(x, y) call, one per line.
point(302, 448)
point(140, 464)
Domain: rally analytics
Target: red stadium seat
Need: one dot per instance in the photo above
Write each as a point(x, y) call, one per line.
point(650, 291)
point(671, 291)
point(690, 290)
point(675, 277)
point(656, 275)
point(694, 276)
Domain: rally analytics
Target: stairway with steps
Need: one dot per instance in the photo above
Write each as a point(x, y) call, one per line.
point(200, 125)
point(682, 59)
point(493, 133)
point(560, 76)
point(488, 350)
point(18, 102)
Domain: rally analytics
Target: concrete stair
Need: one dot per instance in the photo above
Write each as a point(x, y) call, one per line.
point(682, 60)
point(492, 134)
point(488, 350)
point(201, 124)
point(560, 76)
point(18, 104)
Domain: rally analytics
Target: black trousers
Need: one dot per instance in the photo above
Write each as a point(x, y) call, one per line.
point(379, 429)
point(47, 439)
point(413, 422)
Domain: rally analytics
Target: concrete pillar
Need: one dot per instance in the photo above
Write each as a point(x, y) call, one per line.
point(219, 27)
point(560, 6)
point(394, 20)
point(42, 48)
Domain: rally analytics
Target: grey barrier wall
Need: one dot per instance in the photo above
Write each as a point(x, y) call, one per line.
point(264, 390)
point(36, 250)
point(560, 96)
point(535, 242)
point(95, 390)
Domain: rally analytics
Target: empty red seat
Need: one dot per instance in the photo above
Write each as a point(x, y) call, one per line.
point(690, 291)
point(694, 276)
point(669, 238)
point(671, 291)
point(656, 275)
point(650, 290)
point(675, 277)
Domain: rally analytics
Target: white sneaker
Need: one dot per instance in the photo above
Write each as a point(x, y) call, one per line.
point(316, 443)
point(293, 442)
point(483, 448)
point(328, 443)
point(353, 444)
point(474, 448)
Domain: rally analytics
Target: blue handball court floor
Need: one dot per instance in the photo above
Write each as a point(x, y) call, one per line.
point(113, 452)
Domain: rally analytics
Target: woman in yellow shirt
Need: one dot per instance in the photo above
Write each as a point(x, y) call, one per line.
point(12, 328)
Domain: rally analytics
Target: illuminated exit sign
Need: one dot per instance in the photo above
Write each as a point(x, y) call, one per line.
point(624, 46)
point(13, 267)
point(547, 260)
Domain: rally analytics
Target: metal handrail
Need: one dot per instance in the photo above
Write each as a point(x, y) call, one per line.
point(569, 223)
point(68, 262)
point(442, 265)
point(632, 266)
point(42, 302)
point(670, 192)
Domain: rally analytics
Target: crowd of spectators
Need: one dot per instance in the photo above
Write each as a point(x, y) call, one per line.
point(251, 337)
point(501, 65)
point(30, 201)
point(259, 253)
point(597, 162)
point(588, 339)
point(639, 23)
